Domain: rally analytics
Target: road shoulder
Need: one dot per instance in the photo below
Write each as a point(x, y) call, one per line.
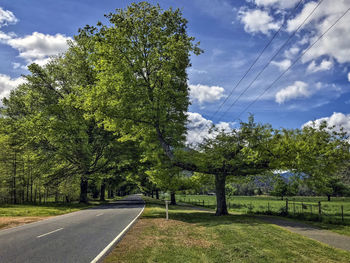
point(323, 236)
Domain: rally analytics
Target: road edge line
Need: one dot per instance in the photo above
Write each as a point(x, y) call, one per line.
point(116, 239)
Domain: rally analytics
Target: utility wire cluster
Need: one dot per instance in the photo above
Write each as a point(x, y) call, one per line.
point(269, 62)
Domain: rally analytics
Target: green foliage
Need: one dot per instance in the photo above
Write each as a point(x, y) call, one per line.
point(320, 153)
point(282, 187)
point(230, 190)
point(45, 121)
point(112, 111)
point(141, 59)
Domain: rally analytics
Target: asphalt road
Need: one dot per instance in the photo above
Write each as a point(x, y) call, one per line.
point(75, 237)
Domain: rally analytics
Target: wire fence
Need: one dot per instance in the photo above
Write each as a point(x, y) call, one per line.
point(319, 211)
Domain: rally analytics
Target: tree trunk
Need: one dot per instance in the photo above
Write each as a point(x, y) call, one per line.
point(83, 190)
point(39, 190)
point(35, 194)
point(103, 191)
point(157, 194)
point(56, 195)
point(329, 198)
point(221, 208)
point(152, 194)
point(31, 186)
point(23, 182)
point(27, 196)
point(172, 198)
point(14, 180)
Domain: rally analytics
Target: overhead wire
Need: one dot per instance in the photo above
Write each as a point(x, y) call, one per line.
point(295, 61)
point(271, 59)
point(255, 61)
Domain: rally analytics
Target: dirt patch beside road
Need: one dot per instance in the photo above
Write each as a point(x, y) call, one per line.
point(8, 222)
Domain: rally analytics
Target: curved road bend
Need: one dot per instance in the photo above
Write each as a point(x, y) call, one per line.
point(75, 237)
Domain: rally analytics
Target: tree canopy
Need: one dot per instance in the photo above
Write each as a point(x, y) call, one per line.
point(112, 112)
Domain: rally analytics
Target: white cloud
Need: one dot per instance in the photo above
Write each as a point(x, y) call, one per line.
point(203, 93)
point(198, 128)
point(277, 3)
point(224, 126)
point(282, 65)
point(7, 84)
point(295, 22)
point(7, 17)
point(290, 53)
point(298, 90)
point(256, 21)
point(16, 65)
point(321, 92)
point(4, 37)
point(38, 47)
point(34, 48)
point(349, 76)
point(323, 66)
point(197, 71)
point(335, 44)
point(337, 119)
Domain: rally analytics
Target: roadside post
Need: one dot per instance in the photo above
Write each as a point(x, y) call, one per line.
point(166, 209)
point(319, 210)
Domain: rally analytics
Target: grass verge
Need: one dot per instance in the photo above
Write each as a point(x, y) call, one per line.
point(15, 215)
point(258, 205)
point(199, 236)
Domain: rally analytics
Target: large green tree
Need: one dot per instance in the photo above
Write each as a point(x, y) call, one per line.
point(247, 150)
point(141, 58)
point(321, 153)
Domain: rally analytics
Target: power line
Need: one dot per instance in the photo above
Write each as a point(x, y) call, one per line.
point(271, 59)
point(266, 65)
point(284, 72)
point(255, 61)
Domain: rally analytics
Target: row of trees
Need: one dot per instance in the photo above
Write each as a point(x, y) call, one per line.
point(112, 110)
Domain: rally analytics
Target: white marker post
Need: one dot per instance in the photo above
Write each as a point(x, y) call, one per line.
point(166, 209)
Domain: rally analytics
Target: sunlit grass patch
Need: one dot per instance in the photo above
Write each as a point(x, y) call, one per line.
point(51, 209)
point(199, 236)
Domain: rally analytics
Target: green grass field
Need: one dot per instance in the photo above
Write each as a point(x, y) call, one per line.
point(199, 236)
point(50, 209)
point(47, 209)
point(14, 215)
point(331, 217)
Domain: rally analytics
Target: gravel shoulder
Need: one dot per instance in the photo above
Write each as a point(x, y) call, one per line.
point(324, 236)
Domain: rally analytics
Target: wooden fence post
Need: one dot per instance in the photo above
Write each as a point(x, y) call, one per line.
point(342, 213)
point(319, 210)
point(302, 208)
point(287, 206)
point(294, 207)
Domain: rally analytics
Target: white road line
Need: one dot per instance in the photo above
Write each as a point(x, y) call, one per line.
point(108, 247)
point(99, 214)
point(49, 233)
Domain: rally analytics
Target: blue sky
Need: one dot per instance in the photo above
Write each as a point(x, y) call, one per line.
point(232, 34)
